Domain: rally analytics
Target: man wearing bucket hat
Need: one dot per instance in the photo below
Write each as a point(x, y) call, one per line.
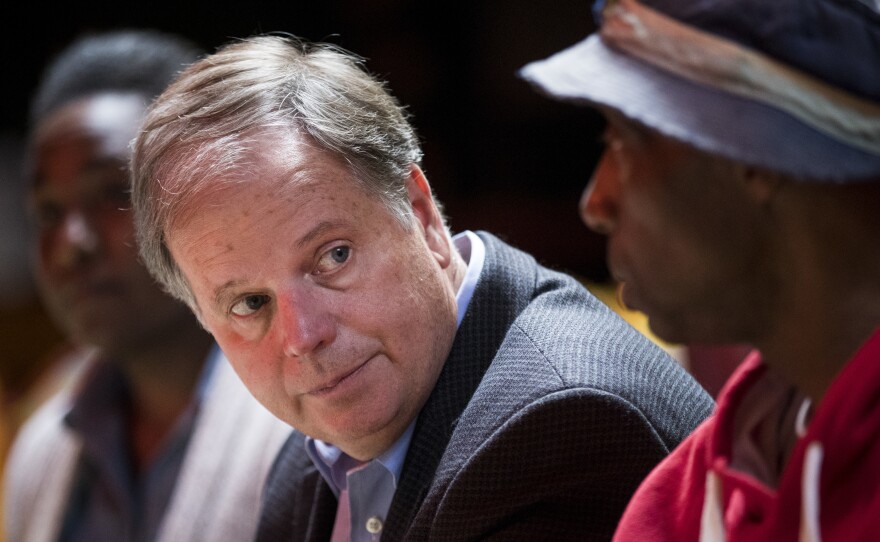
point(740, 190)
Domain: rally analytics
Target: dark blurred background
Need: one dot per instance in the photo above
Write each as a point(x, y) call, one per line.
point(499, 155)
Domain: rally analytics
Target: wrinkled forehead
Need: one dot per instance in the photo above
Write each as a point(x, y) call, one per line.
point(269, 162)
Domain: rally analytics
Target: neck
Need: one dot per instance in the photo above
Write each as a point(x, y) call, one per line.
point(162, 375)
point(810, 355)
point(830, 290)
point(457, 270)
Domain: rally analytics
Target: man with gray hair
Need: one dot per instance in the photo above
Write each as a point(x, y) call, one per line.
point(740, 192)
point(442, 387)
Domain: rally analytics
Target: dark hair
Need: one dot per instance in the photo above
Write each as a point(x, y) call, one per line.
point(141, 61)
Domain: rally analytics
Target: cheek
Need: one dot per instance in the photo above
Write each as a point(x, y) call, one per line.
point(652, 246)
point(425, 324)
point(262, 373)
point(402, 304)
point(642, 225)
point(237, 348)
point(257, 363)
point(117, 231)
point(47, 250)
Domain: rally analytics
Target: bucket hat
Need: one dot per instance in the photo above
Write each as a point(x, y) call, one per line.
point(790, 85)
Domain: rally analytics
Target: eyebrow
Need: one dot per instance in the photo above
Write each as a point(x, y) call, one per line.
point(223, 293)
point(319, 229)
point(95, 168)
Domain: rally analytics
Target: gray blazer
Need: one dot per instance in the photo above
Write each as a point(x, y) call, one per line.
point(547, 414)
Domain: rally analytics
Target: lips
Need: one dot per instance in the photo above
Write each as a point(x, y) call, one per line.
point(331, 384)
point(85, 291)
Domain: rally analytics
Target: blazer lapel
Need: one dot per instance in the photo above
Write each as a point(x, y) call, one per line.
point(297, 503)
point(503, 290)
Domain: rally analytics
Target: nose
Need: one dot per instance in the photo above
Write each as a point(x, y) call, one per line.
point(599, 202)
point(307, 323)
point(77, 240)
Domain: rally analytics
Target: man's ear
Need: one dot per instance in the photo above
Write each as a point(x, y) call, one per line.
point(428, 216)
point(761, 184)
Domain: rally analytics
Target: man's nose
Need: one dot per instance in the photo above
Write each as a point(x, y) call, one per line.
point(308, 324)
point(599, 201)
point(78, 240)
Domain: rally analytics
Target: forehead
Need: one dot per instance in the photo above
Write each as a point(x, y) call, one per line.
point(642, 139)
point(281, 211)
point(89, 134)
point(274, 168)
point(111, 119)
point(619, 121)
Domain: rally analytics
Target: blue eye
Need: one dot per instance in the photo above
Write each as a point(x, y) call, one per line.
point(249, 305)
point(333, 259)
point(340, 254)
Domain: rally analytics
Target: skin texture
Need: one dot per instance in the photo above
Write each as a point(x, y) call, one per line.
point(87, 262)
point(336, 317)
point(88, 268)
point(685, 235)
point(716, 252)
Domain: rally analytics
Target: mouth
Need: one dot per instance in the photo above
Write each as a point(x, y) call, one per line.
point(628, 297)
point(331, 385)
point(94, 289)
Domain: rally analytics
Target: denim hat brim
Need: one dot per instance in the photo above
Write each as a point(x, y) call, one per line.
point(591, 73)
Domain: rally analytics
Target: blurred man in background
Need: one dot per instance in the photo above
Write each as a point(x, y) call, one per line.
point(157, 439)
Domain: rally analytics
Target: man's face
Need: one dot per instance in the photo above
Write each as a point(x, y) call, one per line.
point(682, 233)
point(87, 263)
point(337, 318)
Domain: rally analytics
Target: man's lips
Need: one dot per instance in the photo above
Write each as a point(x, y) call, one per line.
point(88, 290)
point(331, 384)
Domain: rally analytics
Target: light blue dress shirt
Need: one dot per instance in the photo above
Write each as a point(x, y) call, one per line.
point(371, 485)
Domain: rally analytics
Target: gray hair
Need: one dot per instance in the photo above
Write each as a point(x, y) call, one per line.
point(198, 133)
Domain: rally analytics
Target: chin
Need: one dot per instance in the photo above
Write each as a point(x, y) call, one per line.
point(671, 330)
point(363, 437)
point(693, 330)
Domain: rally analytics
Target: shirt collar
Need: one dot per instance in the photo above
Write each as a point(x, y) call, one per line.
point(333, 464)
point(105, 389)
point(472, 249)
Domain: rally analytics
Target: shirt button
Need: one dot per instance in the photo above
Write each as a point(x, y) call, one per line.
point(374, 525)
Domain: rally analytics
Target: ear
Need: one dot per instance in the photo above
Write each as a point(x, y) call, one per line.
point(428, 216)
point(761, 184)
